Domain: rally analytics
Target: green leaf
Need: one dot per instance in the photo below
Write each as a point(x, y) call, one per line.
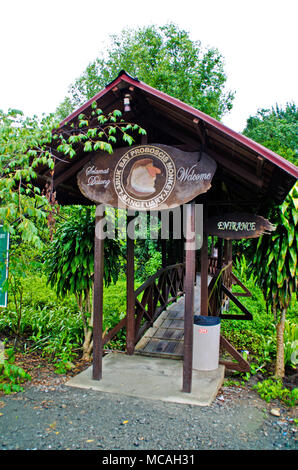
point(291, 234)
point(88, 146)
point(117, 113)
point(271, 257)
point(293, 254)
point(127, 138)
point(292, 267)
point(99, 145)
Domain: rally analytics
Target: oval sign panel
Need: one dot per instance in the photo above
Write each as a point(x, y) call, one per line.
point(144, 177)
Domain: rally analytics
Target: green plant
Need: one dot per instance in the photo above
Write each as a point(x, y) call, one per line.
point(272, 389)
point(276, 267)
point(291, 344)
point(11, 375)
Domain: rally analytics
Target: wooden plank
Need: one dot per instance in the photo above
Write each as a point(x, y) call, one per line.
point(170, 323)
point(98, 297)
point(163, 348)
point(169, 334)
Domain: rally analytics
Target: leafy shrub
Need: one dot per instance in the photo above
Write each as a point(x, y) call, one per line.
point(11, 376)
point(55, 326)
point(272, 389)
point(291, 343)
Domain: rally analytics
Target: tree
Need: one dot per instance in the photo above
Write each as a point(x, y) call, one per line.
point(164, 57)
point(276, 256)
point(26, 143)
point(276, 267)
point(276, 129)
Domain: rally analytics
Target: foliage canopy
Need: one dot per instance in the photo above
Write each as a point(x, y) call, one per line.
point(276, 129)
point(164, 57)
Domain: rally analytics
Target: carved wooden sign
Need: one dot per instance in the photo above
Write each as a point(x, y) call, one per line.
point(234, 226)
point(144, 177)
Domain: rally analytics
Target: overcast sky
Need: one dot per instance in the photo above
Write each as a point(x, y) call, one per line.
point(46, 45)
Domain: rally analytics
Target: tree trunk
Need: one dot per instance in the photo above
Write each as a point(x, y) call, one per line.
point(87, 345)
point(280, 363)
point(88, 322)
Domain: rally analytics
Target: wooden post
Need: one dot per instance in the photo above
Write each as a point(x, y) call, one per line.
point(130, 295)
point(98, 294)
point(163, 253)
point(230, 250)
point(204, 266)
point(189, 280)
point(226, 251)
point(220, 254)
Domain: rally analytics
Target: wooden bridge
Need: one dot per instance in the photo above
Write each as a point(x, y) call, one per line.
point(159, 307)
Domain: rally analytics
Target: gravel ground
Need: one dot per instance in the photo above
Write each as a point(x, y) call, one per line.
point(55, 416)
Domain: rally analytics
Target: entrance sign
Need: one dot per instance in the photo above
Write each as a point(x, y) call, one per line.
point(4, 246)
point(144, 177)
point(235, 226)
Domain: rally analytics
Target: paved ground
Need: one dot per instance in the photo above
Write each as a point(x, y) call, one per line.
point(55, 416)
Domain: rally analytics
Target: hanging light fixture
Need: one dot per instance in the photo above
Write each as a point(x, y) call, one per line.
point(127, 107)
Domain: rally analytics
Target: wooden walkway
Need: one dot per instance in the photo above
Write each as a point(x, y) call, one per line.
point(165, 337)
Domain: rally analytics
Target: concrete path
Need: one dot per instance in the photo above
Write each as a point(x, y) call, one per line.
point(151, 378)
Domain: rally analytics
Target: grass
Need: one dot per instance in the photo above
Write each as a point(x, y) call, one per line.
point(54, 326)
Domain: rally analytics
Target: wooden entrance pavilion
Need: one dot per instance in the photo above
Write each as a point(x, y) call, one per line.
point(248, 178)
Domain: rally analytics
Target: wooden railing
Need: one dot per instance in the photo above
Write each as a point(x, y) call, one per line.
point(155, 294)
point(219, 292)
point(216, 297)
point(151, 298)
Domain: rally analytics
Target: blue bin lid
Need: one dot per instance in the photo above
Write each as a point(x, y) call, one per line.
point(204, 320)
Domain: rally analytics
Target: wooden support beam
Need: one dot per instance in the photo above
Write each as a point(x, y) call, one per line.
point(130, 294)
point(173, 130)
point(235, 168)
point(246, 292)
point(204, 265)
point(260, 164)
point(190, 266)
point(242, 364)
point(116, 92)
point(247, 315)
point(74, 167)
point(98, 295)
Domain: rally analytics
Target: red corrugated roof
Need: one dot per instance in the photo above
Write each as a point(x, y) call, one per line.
point(269, 155)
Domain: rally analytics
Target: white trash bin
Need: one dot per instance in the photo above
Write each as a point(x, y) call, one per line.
point(206, 337)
